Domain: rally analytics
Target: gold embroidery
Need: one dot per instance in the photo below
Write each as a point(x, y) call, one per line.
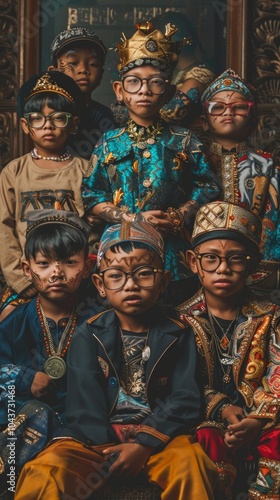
point(118, 196)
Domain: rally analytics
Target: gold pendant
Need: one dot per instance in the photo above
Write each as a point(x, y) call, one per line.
point(226, 378)
point(55, 367)
point(224, 342)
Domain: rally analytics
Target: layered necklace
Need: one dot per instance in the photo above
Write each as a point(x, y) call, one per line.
point(224, 345)
point(141, 136)
point(55, 365)
point(134, 370)
point(35, 155)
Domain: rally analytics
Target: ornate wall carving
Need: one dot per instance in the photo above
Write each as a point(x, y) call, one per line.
point(8, 78)
point(265, 73)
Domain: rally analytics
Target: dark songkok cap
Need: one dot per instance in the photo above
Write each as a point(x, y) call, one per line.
point(38, 218)
point(77, 36)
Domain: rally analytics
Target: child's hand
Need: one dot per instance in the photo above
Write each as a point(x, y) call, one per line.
point(159, 220)
point(243, 433)
point(232, 414)
point(42, 386)
point(131, 458)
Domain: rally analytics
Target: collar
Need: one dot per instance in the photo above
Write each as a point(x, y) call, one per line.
point(218, 149)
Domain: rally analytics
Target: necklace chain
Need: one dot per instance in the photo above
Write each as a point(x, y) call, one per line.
point(64, 157)
point(224, 341)
point(146, 351)
point(225, 358)
point(70, 327)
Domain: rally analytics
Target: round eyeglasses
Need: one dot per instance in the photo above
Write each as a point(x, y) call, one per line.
point(143, 276)
point(236, 262)
point(217, 108)
point(155, 84)
point(59, 119)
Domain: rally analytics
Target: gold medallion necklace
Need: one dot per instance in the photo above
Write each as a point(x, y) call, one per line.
point(55, 365)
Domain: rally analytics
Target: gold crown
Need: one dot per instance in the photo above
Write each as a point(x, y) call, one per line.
point(149, 43)
point(46, 84)
point(220, 219)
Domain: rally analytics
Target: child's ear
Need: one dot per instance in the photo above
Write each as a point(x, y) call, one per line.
point(165, 279)
point(74, 125)
point(26, 270)
point(117, 87)
point(52, 68)
point(24, 126)
point(191, 259)
point(204, 123)
point(98, 282)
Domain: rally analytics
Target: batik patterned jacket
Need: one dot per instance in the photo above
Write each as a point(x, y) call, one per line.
point(169, 171)
point(250, 178)
point(256, 366)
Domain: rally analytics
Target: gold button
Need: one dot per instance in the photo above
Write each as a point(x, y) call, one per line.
point(146, 154)
point(147, 183)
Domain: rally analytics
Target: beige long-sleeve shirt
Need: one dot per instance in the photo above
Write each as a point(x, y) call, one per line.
point(24, 186)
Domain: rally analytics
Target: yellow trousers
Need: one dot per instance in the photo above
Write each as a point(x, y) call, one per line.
point(68, 470)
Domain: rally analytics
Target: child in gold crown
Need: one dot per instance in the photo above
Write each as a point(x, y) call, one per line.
point(149, 170)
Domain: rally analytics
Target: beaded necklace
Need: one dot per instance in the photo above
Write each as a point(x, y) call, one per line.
point(55, 366)
point(35, 155)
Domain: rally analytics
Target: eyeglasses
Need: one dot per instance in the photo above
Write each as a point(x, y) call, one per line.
point(236, 262)
point(59, 119)
point(217, 108)
point(132, 84)
point(143, 276)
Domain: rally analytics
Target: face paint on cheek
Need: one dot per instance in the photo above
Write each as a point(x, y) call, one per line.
point(127, 101)
point(37, 280)
point(64, 66)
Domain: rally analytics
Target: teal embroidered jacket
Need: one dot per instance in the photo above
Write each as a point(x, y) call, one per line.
point(168, 172)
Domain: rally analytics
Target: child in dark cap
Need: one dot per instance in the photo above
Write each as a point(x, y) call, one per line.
point(132, 391)
point(80, 54)
point(48, 177)
point(35, 338)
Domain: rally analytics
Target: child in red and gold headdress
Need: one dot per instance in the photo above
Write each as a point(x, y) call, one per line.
point(248, 175)
point(149, 170)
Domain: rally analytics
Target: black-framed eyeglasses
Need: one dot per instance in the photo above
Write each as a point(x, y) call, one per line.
point(156, 85)
point(236, 262)
point(59, 119)
point(217, 108)
point(143, 276)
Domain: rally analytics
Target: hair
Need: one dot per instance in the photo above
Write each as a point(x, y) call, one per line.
point(129, 246)
point(53, 100)
point(55, 241)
